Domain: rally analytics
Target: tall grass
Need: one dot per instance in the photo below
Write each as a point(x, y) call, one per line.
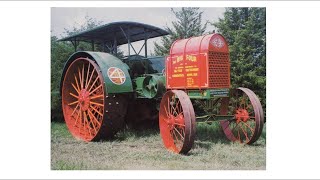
point(132, 149)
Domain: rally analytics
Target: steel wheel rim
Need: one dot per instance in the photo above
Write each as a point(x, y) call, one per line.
point(83, 99)
point(177, 121)
point(248, 118)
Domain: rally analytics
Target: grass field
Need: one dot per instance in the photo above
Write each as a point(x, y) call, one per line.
point(144, 151)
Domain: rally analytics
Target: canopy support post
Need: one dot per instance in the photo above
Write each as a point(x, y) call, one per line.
point(145, 44)
point(129, 44)
point(92, 45)
point(75, 45)
point(115, 45)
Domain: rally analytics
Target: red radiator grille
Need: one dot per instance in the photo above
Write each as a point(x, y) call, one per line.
point(219, 70)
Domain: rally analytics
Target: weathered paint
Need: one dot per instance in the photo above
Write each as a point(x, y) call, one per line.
point(138, 86)
point(207, 93)
point(198, 63)
point(105, 61)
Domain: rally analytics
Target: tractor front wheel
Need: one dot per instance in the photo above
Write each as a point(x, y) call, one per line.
point(247, 124)
point(177, 121)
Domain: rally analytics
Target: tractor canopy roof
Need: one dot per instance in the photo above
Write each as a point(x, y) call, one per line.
point(118, 33)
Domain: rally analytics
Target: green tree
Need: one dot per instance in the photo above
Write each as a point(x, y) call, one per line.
point(89, 24)
point(245, 31)
point(188, 24)
point(60, 52)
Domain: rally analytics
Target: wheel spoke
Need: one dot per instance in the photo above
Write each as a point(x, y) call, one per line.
point(73, 103)
point(239, 134)
point(182, 138)
point(95, 89)
point(174, 109)
point(93, 125)
point(75, 109)
point(165, 120)
point(79, 113)
point(87, 76)
point(177, 107)
point(77, 97)
point(248, 127)
point(179, 124)
point(90, 78)
point(183, 132)
point(173, 134)
point(96, 111)
point(232, 129)
point(78, 91)
point(97, 96)
point(165, 109)
point(245, 133)
point(80, 125)
point(82, 79)
point(169, 107)
point(75, 78)
point(86, 120)
point(93, 83)
point(96, 103)
point(94, 118)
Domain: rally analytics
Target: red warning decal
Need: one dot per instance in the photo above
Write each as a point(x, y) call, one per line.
point(116, 75)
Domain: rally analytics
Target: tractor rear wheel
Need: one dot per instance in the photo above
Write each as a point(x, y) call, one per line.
point(247, 124)
point(177, 121)
point(86, 105)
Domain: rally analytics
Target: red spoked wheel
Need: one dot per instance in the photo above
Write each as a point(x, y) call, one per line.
point(177, 121)
point(83, 99)
point(247, 124)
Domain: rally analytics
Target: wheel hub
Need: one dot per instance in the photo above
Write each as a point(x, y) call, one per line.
point(175, 120)
point(84, 99)
point(171, 122)
point(242, 115)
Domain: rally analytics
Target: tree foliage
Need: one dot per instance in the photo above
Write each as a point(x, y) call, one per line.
point(188, 24)
point(60, 52)
point(245, 31)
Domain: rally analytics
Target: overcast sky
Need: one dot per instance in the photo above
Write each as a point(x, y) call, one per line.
point(62, 18)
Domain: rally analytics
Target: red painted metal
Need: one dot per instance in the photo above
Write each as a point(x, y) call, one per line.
point(177, 121)
point(249, 119)
point(83, 99)
point(242, 115)
point(198, 63)
point(90, 112)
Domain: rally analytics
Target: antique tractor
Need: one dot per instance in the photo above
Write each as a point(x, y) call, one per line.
point(102, 92)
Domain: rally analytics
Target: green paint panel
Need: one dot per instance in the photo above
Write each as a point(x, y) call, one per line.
point(106, 61)
point(208, 93)
point(139, 83)
point(219, 92)
point(198, 94)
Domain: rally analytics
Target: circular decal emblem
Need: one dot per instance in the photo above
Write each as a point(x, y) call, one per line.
point(116, 75)
point(217, 42)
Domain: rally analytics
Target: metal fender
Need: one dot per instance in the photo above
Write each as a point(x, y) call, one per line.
point(115, 72)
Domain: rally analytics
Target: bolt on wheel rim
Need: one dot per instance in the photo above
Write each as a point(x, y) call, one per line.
point(83, 99)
